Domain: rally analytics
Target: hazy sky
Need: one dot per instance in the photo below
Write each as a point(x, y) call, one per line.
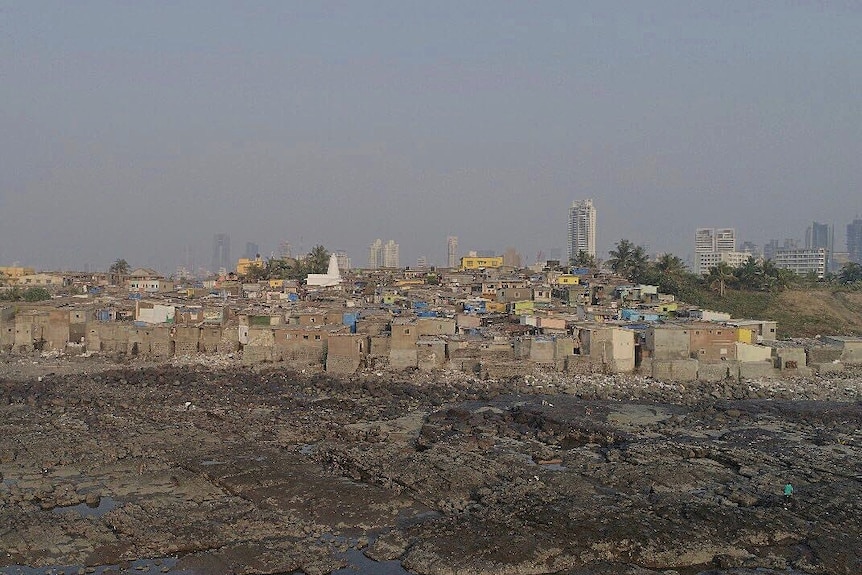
point(140, 129)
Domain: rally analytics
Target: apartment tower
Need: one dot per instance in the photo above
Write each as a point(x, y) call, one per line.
point(452, 251)
point(582, 229)
point(221, 253)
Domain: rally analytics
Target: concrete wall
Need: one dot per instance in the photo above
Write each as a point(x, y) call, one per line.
point(435, 326)
point(613, 348)
point(718, 371)
point(371, 326)
point(668, 343)
point(403, 358)
point(789, 358)
point(380, 346)
point(712, 343)
point(404, 335)
point(346, 353)
point(675, 369)
point(542, 351)
point(7, 328)
point(431, 355)
point(746, 352)
point(186, 339)
point(465, 321)
point(757, 369)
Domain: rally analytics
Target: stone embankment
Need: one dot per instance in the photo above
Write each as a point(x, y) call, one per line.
point(262, 470)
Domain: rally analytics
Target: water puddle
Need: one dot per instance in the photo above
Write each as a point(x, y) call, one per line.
point(358, 563)
point(307, 448)
point(105, 505)
point(362, 565)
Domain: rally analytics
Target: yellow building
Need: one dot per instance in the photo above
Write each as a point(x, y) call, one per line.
point(243, 265)
point(474, 263)
point(525, 306)
point(495, 307)
point(568, 280)
point(13, 272)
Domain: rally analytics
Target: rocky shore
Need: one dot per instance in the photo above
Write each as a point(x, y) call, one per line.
point(228, 469)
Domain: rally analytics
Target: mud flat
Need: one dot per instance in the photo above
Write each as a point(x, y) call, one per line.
point(186, 469)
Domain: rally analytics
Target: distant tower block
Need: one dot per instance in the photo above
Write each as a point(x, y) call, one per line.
point(452, 251)
point(221, 252)
point(582, 229)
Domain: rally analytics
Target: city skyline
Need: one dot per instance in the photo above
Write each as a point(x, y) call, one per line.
point(138, 133)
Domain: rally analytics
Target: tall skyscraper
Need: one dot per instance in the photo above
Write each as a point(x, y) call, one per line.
point(252, 250)
point(375, 254)
point(391, 257)
point(704, 240)
point(854, 240)
point(285, 251)
point(725, 240)
point(221, 253)
point(582, 229)
point(342, 259)
point(712, 246)
point(452, 251)
point(821, 236)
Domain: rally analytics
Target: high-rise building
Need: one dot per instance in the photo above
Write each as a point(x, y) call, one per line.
point(421, 262)
point(221, 253)
point(383, 255)
point(802, 261)
point(375, 254)
point(582, 229)
point(725, 240)
point(712, 246)
point(452, 251)
point(704, 240)
point(285, 251)
point(854, 240)
point(391, 258)
point(342, 259)
point(821, 236)
point(252, 250)
point(511, 258)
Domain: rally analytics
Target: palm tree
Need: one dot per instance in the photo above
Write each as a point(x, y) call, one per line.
point(621, 257)
point(670, 265)
point(750, 274)
point(117, 270)
point(584, 260)
point(639, 264)
point(719, 276)
point(317, 261)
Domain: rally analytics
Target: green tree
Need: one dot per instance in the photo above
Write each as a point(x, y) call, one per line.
point(671, 265)
point(639, 266)
point(719, 277)
point(629, 261)
point(118, 270)
point(850, 273)
point(36, 294)
point(583, 260)
point(317, 261)
point(621, 257)
point(750, 274)
point(14, 294)
point(255, 273)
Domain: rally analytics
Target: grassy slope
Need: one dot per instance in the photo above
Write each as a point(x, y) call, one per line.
point(799, 312)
